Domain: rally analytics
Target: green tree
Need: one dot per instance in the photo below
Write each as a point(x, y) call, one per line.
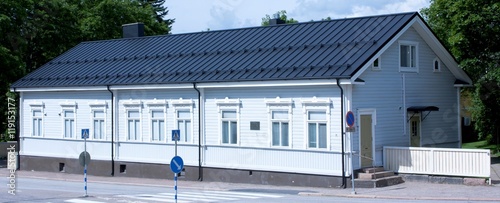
point(470, 29)
point(281, 15)
point(36, 31)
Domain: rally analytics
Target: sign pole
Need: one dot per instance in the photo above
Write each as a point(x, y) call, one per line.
point(85, 167)
point(175, 174)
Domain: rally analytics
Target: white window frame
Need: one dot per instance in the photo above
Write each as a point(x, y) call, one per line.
point(184, 105)
point(434, 65)
point(379, 66)
point(132, 105)
point(157, 105)
point(279, 104)
point(98, 106)
point(68, 106)
point(317, 105)
point(37, 106)
point(229, 105)
point(410, 44)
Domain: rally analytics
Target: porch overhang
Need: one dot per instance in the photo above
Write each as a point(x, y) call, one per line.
point(420, 109)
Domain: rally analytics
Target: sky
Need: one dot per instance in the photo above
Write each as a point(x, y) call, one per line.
point(200, 15)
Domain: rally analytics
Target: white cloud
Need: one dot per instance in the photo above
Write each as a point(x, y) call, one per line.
point(198, 15)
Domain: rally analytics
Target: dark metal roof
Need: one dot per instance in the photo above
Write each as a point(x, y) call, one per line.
point(312, 50)
point(422, 108)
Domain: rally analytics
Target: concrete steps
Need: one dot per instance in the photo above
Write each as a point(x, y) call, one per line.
point(374, 177)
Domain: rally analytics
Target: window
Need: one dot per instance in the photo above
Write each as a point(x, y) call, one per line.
point(98, 124)
point(316, 128)
point(376, 64)
point(408, 60)
point(184, 125)
point(37, 123)
point(98, 120)
point(279, 122)
point(229, 127)
point(133, 125)
point(157, 125)
point(436, 65)
point(69, 123)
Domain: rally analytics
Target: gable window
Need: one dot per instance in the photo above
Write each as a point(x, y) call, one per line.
point(408, 56)
point(436, 65)
point(229, 110)
point(98, 111)
point(98, 124)
point(69, 115)
point(316, 128)
point(157, 125)
point(229, 127)
point(279, 122)
point(376, 64)
point(133, 125)
point(37, 119)
point(183, 118)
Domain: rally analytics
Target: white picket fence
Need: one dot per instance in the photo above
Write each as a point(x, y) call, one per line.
point(438, 161)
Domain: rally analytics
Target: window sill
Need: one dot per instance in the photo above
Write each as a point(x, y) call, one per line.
point(408, 70)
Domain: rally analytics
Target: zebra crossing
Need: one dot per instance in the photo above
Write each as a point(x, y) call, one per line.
point(186, 197)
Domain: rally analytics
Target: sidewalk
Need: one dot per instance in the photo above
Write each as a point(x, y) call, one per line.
point(408, 190)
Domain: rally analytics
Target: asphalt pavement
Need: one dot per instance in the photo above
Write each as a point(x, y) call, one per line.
point(407, 190)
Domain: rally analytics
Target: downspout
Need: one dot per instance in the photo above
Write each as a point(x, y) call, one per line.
point(112, 133)
point(200, 169)
point(342, 132)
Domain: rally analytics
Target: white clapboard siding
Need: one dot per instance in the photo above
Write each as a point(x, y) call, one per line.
point(438, 161)
point(64, 148)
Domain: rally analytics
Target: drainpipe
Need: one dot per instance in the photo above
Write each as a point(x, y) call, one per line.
point(112, 133)
point(200, 169)
point(342, 133)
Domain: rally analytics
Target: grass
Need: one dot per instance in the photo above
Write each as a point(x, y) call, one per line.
point(482, 145)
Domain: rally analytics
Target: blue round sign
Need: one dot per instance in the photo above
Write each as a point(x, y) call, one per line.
point(349, 117)
point(176, 164)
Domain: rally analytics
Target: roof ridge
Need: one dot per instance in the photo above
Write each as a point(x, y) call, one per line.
point(253, 27)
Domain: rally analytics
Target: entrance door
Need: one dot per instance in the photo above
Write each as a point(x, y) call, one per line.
point(366, 141)
point(415, 131)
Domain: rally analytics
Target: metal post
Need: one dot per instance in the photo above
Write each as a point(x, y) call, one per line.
point(85, 167)
point(175, 174)
point(352, 163)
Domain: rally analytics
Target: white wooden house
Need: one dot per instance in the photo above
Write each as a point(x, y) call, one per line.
point(261, 105)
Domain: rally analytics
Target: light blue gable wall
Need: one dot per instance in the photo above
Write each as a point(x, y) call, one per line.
point(383, 91)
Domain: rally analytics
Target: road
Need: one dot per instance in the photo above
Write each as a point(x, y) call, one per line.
point(54, 191)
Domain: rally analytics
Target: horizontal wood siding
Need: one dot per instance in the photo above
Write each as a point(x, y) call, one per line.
point(383, 91)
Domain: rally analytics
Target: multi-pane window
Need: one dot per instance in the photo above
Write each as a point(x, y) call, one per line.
point(133, 125)
point(316, 127)
point(69, 123)
point(157, 125)
point(98, 124)
point(37, 123)
point(229, 127)
point(279, 122)
point(184, 124)
point(408, 56)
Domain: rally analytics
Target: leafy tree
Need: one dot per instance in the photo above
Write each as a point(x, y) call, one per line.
point(281, 15)
point(36, 31)
point(470, 29)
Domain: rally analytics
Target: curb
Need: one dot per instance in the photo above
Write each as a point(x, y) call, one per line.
point(396, 197)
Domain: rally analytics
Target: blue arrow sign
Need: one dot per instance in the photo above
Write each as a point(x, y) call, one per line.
point(176, 164)
point(349, 117)
point(85, 133)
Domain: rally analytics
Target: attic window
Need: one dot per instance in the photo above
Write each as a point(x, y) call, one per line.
point(436, 65)
point(408, 56)
point(376, 64)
